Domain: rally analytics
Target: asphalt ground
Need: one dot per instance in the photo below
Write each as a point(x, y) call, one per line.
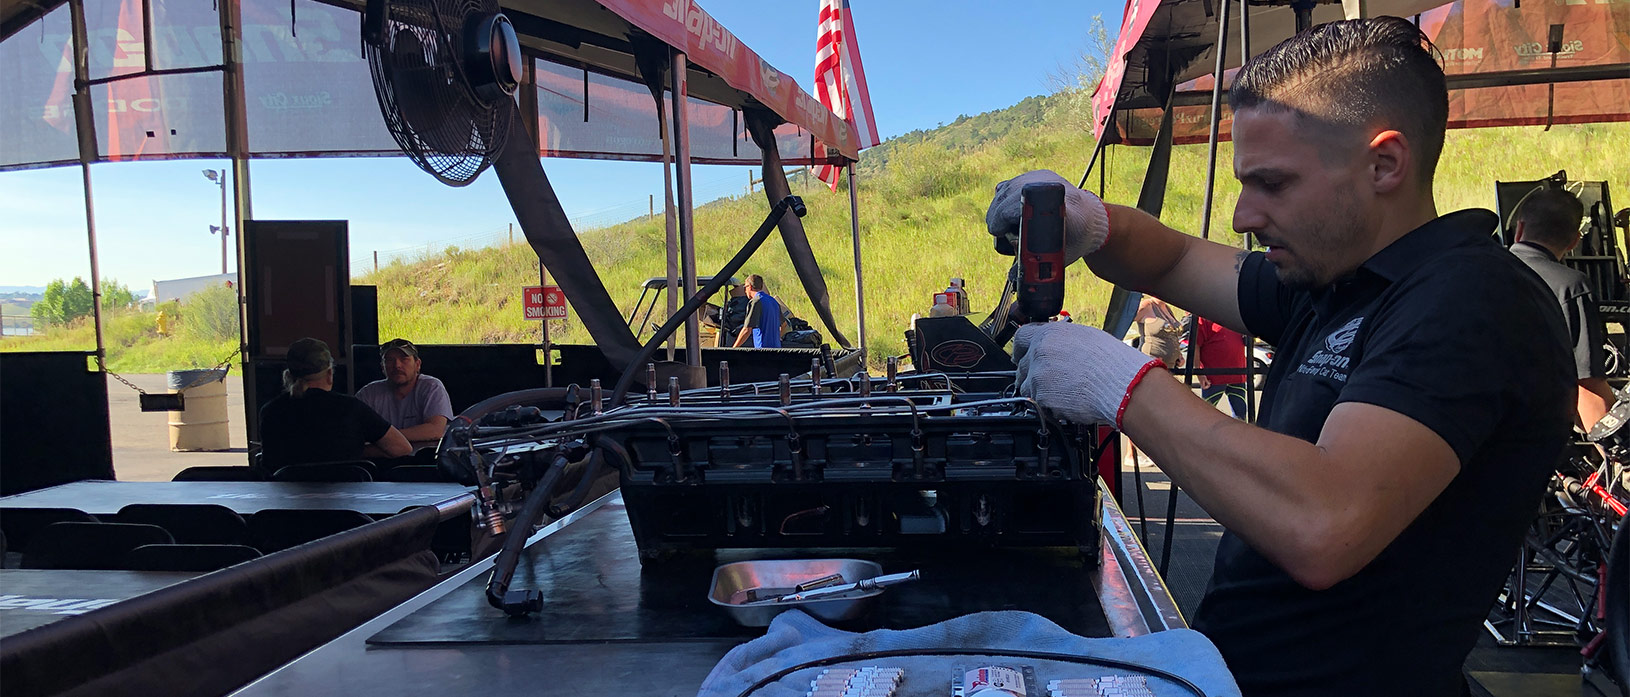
point(141, 440)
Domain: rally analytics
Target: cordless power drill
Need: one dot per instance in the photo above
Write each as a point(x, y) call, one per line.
point(1041, 252)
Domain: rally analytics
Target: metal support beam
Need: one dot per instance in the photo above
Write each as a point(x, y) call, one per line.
point(1123, 303)
point(237, 148)
point(1245, 240)
point(860, 278)
point(85, 124)
point(687, 225)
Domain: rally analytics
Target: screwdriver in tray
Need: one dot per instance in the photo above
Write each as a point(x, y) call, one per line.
point(829, 591)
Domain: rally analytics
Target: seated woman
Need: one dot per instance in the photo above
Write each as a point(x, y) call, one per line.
point(308, 423)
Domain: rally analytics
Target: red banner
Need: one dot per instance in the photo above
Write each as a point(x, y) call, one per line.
point(685, 25)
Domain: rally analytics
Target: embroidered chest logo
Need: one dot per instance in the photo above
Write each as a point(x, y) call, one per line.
point(1332, 361)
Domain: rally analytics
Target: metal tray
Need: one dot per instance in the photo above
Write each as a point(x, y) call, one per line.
point(780, 576)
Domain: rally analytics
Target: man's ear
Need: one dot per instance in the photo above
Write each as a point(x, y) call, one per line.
point(1392, 163)
point(1516, 235)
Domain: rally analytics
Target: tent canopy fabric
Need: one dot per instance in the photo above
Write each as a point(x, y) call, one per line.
point(309, 93)
point(1494, 52)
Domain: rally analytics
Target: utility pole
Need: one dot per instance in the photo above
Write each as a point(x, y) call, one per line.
point(219, 177)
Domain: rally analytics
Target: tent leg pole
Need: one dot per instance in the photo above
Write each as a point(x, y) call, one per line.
point(1123, 303)
point(236, 129)
point(1216, 115)
point(860, 278)
point(85, 125)
point(669, 222)
point(687, 226)
point(1245, 240)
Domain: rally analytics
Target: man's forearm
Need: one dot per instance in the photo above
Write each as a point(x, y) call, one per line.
point(1595, 398)
point(741, 337)
point(429, 430)
point(1332, 512)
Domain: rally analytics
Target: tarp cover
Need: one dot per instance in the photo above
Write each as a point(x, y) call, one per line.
point(309, 93)
point(1474, 37)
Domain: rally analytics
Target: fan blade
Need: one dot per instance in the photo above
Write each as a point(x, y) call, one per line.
point(544, 222)
point(792, 229)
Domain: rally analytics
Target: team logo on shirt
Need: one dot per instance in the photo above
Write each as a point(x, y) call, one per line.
point(1339, 340)
point(1332, 361)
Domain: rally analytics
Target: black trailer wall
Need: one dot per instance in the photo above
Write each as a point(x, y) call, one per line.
point(53, 421)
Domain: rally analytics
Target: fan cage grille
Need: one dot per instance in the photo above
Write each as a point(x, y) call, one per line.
point(425, 97)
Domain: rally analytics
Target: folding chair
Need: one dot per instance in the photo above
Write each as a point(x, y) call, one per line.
point(89, 545)
point(188, 557)
point(277, 529)
point(354, 471)
point(20, 524)
point(216, 473)
point(190, 523)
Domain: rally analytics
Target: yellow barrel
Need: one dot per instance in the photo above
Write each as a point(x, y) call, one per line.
point(202, 424)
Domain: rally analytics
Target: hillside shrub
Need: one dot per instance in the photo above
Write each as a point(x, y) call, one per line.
point(926, 170)
point(211, 314)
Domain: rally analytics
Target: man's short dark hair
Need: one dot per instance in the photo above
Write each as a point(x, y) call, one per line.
point(756, 281)
point(1354, 74)
point(1550, 216)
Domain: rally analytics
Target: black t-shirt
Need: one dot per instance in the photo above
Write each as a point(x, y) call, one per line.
point(1579, 317)
point(1446, 327)
point(319, 426)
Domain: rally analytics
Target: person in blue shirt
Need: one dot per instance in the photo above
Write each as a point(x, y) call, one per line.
point(763, 325)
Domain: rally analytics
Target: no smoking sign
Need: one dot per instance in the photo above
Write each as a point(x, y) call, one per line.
point(543, 302)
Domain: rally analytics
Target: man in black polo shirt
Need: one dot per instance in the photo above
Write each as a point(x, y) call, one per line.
point(1547, 226)
point(1419, 396)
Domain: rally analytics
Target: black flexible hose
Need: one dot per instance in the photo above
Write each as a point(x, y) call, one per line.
point(509, 556)
point(695, 302)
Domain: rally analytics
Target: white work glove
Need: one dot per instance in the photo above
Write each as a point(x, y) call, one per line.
point(1086, 221)
point(1078, 373)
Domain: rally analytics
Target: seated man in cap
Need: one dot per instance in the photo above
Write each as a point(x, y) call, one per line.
point(308, 422)
point(415, 403)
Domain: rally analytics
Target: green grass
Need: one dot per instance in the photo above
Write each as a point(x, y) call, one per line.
point(922, 199)
point(133, 344)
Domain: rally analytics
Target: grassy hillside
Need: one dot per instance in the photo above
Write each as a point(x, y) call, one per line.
point(133, 343)
point(922, 199)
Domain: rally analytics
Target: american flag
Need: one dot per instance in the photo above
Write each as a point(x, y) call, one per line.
point(840, 82)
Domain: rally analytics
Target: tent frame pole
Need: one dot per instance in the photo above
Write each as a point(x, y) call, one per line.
point(669, 217)
point(687, 223)
point(236, 131)
point(1245, 239)
point(85, 126)
point(860, 277)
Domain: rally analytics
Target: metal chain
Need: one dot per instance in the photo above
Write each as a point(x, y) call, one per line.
point(225, 363)
point(116, 376)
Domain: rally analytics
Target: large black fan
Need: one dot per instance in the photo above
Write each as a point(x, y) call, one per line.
point(445, 72)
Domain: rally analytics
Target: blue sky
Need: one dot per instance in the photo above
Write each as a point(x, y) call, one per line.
point(926, 62)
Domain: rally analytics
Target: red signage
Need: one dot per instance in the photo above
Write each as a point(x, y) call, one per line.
point(543, 302)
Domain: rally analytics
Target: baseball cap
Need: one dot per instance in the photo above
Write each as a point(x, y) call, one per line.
point(403, 345)
point(308, 356)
